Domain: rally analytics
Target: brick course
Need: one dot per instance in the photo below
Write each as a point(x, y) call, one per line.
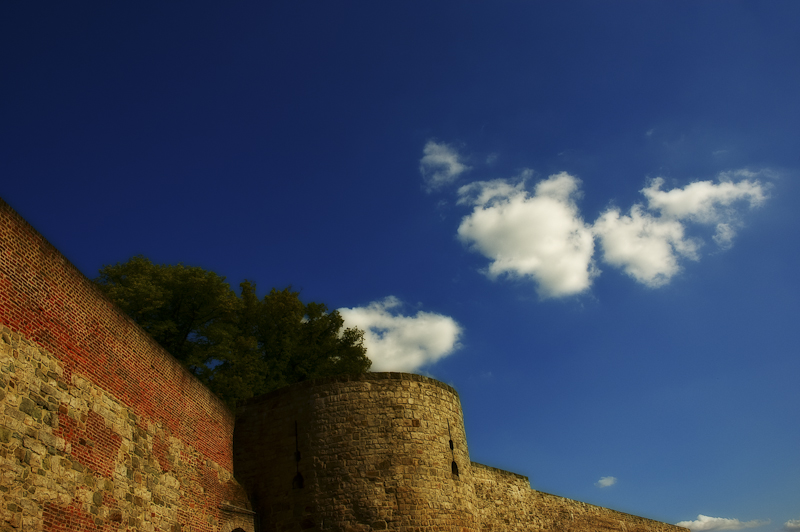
point(100, 428)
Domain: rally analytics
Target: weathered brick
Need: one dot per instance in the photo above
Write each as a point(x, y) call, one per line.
point(67, 421)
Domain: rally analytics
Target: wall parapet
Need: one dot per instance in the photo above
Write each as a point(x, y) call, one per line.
point(348, 377)
point(502, 472)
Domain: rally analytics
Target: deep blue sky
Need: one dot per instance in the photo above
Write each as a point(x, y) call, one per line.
point(284, 143)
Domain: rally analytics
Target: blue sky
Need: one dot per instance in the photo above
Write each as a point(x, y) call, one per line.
point(579, 214)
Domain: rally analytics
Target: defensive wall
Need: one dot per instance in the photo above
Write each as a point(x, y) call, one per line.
point(374, 453)
point(101, 429)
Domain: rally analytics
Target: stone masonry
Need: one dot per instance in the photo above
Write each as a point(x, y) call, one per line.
point(102, 430)
point(374, 454)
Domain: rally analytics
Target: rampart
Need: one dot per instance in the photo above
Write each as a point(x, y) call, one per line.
point(374, 454)
point(102, 430)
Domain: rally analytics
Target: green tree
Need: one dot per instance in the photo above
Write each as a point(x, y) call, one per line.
point(240, 346)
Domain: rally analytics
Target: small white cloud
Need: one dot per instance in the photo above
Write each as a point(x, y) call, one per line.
point(605, 482)
point(485, 193)
point(650, 132)
point(539, 236)
point(402, 343)
point(706, 523)
point(440, 165)
point(792, 525)
point(724, 235)
point(703, 201)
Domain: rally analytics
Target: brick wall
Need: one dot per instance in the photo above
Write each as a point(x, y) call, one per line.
point(100, 428)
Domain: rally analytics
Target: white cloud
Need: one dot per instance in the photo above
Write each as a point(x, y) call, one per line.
point(540, 236)
point(703, 201)
point(440, 165)
point(724, 235)
point(402, 343)
point(605, 482)
point(792, 525)
point(644, 246)
point(705, 523)
point(648, 246)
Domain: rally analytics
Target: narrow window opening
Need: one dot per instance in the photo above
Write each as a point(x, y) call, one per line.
point(297, 481)
point(453, 465)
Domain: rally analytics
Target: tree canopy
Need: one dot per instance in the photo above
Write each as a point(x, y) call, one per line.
point(239, 345)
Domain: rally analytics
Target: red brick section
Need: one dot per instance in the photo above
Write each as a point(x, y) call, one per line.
point(160, 448)
point(72, 518)
point(49, 302)
point(69, 519)
point(93, 444)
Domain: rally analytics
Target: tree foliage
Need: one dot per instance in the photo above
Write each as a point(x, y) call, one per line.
point(240, 345)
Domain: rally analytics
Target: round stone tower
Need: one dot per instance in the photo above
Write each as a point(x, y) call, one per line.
point(378, 451)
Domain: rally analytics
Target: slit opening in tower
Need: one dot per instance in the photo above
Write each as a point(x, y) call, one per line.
point(453, 465)
point(297, 481)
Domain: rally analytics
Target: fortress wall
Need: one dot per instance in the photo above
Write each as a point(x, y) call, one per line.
point(558, 513)
point(374, 454)
point(502, 500)
point(506, 503)
point(100, 428)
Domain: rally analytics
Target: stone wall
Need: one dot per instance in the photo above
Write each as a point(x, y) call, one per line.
point(507, 503)
point(374, 454)
point(100, 428)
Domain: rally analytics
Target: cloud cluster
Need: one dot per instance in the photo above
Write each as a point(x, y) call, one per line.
point(440, 165)
point(542, 236)
point(648, 243)
point(705, 523)
point(605, 482)
point(646, 247)
point(792, 525)
point(402, 343)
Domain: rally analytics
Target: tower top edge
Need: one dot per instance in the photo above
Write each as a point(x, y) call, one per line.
point(354, 377)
